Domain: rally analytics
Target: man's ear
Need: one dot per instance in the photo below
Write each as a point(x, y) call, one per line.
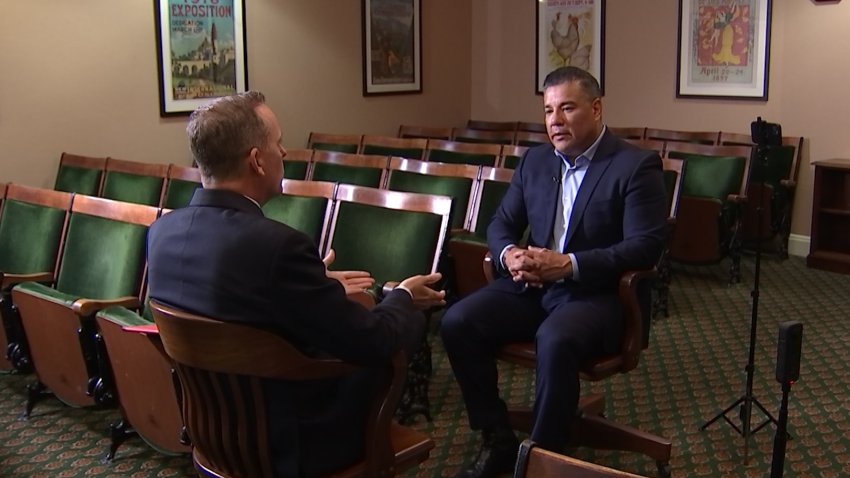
point(255, 162)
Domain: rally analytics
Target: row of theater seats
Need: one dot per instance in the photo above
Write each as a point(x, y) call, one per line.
point(73, 287)
point(438, 150)
point(162, 185)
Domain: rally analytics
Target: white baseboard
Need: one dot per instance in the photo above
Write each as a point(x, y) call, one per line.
point(798, 245)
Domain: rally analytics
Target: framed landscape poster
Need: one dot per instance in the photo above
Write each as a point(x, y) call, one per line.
point(392, 47)
point(724, 49)
point(570, 32)
point(200, 52)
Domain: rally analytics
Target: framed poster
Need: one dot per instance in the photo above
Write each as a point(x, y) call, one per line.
point(392, 47)
point(200, 52)
point(570, 32)
point(724, 49)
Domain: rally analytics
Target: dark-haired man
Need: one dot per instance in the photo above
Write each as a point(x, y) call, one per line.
point(595, 206)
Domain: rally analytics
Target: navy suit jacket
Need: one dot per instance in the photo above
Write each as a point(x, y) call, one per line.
point(618, 221)
point(220, 257)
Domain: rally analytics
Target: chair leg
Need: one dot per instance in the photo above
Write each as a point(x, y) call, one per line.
point(36, 392)
point(119, 432)
point(415, 398)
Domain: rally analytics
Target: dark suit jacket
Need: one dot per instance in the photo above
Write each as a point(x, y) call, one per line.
point(618, 221)
point(222, 258)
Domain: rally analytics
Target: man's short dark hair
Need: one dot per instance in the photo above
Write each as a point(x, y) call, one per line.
point(569, 74)
point(223, 131)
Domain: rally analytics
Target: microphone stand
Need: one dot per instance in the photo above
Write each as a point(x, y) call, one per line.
point(747, 401)
point(777, 466)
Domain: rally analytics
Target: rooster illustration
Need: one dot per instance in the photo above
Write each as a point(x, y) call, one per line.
point(566, 50)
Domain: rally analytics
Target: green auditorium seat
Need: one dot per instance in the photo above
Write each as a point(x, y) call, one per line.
point(102, 264)
point(411, 148)
point(32, 225)
point(455, 152)
point(305, 206)
point(80, 174)
point(359, 169)
point(342, 143)
point(180, 186)
point(296, 164)
point(131, 181)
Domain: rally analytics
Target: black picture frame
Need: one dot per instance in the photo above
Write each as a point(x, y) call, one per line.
point(201, 52)
point(392, 47)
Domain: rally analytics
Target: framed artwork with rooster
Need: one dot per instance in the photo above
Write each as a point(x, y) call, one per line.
point(724, 49)
point(570, 32)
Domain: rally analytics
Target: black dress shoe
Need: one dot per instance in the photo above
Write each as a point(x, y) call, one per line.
point(497, 456)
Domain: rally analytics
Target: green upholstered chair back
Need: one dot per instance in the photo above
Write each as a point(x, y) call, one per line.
point(80, 174)
point(104, 251)
point(409, 131)
point(178, 193)
point(628, 132)
point(511, 155)
point(341, 143)
point(411, 148)
point(358, 169)
point(713, 171)
point(456, 181)
point(391, 234)
point(465, 135)
point(530, 139)
point(305, 206)
point(31, 229)
point(130, 181)
point(493, 186)
point(455, 152)
point(487, 125)
point(296, 164)
point(712, 176)
point(180, 186)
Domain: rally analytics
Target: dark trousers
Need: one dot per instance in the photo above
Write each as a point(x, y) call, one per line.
point(567, 329)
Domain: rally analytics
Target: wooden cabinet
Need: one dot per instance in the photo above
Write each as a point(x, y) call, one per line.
point(830, 240)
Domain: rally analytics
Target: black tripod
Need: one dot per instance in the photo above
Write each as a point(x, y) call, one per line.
point(747, 401)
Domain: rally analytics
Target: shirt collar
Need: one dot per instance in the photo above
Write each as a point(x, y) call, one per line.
point(585, 157)
point(253, 201)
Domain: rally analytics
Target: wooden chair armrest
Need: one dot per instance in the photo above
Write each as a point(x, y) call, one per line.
point(489, 267)
point(363, 298)
point(633, 327)
point(788, 183)
point(87, 307)
point(380, 456)
point(7, 279)
point(737, 198)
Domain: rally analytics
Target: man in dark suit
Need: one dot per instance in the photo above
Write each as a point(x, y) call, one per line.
point(595, 206)
point(222, 258)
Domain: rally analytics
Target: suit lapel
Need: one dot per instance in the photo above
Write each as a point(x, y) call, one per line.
point(595, 170)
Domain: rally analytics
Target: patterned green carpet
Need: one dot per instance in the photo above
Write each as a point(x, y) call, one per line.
point(693, 369)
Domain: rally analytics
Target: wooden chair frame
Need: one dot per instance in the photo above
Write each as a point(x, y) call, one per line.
point(737, 199)
point(535, 462)
point(657, 145)
point(351, 160)
point(393, 142)
point(484, 125)
point(331, 138)
point(483, 136)
point(467, 148)
point(324, 189)
point(427, 132)
point(534, 127)
point(628, 132)
point(256, 354)
point(593, 429)
point(88, 162)
point(699, 137)
point(440, 169)
point(427, 203)
point(511, 150)
point(530, 137)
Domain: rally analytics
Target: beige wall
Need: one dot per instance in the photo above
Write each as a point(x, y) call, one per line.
point(80, 76)
point(808, 78)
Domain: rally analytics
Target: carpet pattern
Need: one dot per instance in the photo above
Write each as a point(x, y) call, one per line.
point(693, 369)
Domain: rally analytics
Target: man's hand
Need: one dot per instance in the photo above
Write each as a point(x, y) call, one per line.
point(424, 296)
point(536, 265)
point(353, 281)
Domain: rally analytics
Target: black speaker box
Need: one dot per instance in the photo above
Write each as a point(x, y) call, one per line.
point(788, 351)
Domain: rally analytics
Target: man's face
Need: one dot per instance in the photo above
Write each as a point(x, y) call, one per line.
point(272, 152)
point(573, 120)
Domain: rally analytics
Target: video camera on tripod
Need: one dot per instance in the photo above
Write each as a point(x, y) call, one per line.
point(766, 134)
